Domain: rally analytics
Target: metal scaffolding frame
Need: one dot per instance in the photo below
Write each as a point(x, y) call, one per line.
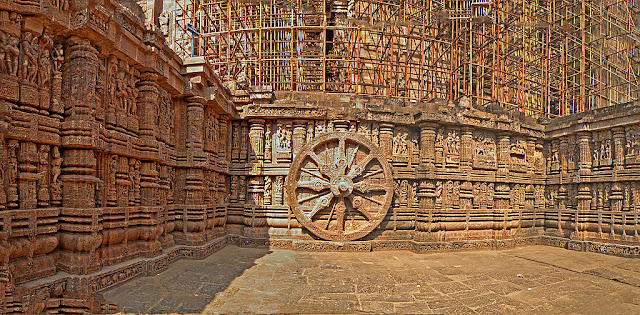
point(542, 57)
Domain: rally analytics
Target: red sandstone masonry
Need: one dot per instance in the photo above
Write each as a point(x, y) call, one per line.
point(113, 149)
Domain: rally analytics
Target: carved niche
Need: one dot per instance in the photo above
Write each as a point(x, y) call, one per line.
point(484, 156)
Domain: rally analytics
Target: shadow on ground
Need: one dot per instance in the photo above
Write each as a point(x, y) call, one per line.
point(187, 286)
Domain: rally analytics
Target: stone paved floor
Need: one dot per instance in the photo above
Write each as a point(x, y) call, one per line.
point(534, 279)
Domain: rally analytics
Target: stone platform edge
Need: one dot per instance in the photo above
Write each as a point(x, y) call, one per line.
point(112, 276)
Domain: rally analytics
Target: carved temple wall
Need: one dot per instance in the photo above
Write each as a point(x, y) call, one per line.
point(456, 173)
point(111, 148)
point(593, 175)
point(116, 153)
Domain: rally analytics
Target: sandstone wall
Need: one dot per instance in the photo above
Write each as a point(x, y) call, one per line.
point(593, 178)
point(111, 148)
point(457, 174)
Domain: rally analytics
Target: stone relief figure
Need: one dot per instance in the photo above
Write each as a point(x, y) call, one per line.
point(283, 139)
point(320, 127)
point(112, 82)
point(490, 193)
point(132, 92)
point(438, 192)
point(57, 58)
point(400, 147)
point(44, 60)
point(267, 190)
point(453, 143)
point(633, 141)
point(121, 96)
point(375, 134)
point(29, 57)
point(12, 174)
point(605, 149)
point(4, 42)
point(171, 192)
point(56, 170)
point(277, 190)
point(3, 165)
point(403, 193)
point(60, 4)
point(43, 178)
point(12, 55)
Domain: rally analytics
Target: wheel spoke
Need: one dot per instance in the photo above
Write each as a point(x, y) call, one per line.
point(314, 174)
point(364, 212)
point(330, 216)
point(370, 174)
point(314, 184)
point(320, 204)
point(365, 187)
point(311, 197)
point(340, 212)
point(360, 167)
point(366, 197)
point(316, 159)
point(352, 156)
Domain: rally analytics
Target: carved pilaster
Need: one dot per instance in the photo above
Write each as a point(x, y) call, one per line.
point(584, 145)
point(504, 156)
point(386, 139)
point(256, 140)
point(618, 148)
point(466, 152)
point(195, 119)
point(427, 144)
point(27, 174)
point(148, 101)
point(299, 135)
point(564, 158)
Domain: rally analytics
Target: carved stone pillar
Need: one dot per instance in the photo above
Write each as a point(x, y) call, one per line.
point(618, 148)
point(79, 241)
point(148, 183)
point(584, 198)
point(584, 145)
point(195, 120)
point(504, 156)
point(148, 100)
point(386, 139)
point(43, 176)
point(268, 141)
point(530, 152)
point(27, 175)
point(194, 181)
point(428, 144)
point(564, 148)
point(256, 139)
point(466, 154)
point(299, 135)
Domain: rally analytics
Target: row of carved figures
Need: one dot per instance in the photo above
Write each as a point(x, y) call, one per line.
point(277, 141)
point(267, 190)
point(29, 175)
point(617, 196)
point(600, 150)
point(120, 184)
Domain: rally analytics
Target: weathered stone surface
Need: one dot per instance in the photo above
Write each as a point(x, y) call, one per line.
point(117, 157)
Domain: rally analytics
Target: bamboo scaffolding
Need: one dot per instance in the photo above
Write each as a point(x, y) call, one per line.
point(543, 58)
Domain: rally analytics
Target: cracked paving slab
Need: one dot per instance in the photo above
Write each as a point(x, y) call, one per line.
point(535, 279)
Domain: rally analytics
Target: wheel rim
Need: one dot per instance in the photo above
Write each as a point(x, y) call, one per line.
point(339, 186)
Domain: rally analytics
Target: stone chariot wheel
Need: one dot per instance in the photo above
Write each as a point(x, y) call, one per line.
point(339, 186)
